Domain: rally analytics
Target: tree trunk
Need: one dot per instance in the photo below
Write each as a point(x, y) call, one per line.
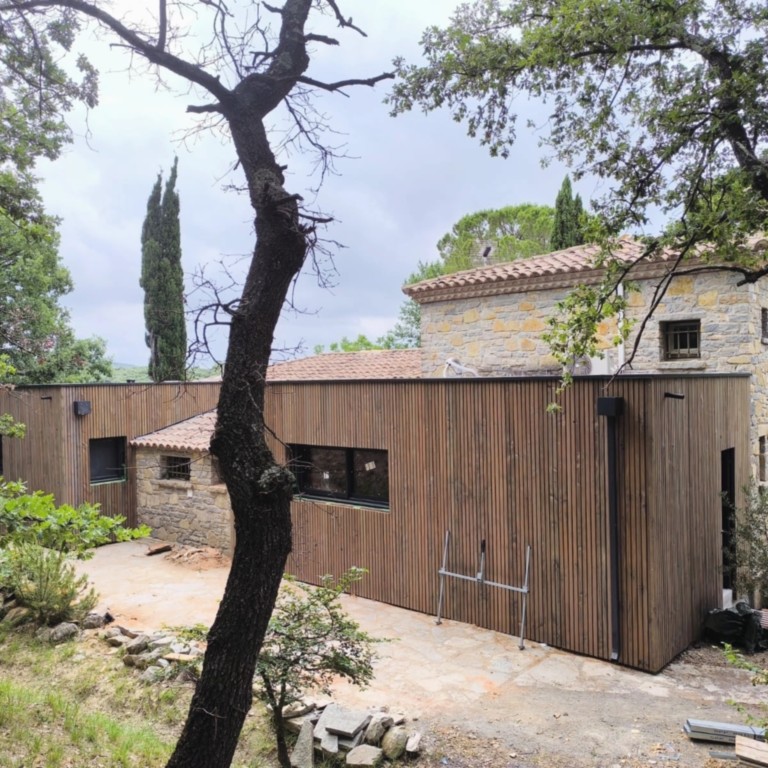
point(278, 723)
point(259, 490)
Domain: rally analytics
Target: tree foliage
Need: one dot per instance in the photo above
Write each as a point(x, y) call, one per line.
point(249, 63)
point(749, 544)
point(568, 224)
point(310, 644)
point(35, 334)
point(666, 102)
point(513, 232)
point(162, 279)
point(492, 236)
point(35, 518)
point(32, 125)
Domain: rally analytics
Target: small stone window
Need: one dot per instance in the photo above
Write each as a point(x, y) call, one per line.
point(764, 325)
point(175, 468)
point(681, 339)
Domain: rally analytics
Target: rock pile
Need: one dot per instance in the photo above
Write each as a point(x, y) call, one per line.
point(367, 738)
point(363, 739)
point(157, 654)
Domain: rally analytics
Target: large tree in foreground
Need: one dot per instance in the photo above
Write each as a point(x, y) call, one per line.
point(162, 279)
point(247, 71)
point(667, 102)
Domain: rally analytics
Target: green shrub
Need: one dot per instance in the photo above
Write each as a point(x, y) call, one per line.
point(749, 545)
point(35, 518)
point(46, 582)
point(311, 642)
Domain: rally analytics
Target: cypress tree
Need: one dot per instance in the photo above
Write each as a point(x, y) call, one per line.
point(566, 228)
point(162, 279)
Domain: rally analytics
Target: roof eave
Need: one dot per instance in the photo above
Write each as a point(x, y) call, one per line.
point(511, 285)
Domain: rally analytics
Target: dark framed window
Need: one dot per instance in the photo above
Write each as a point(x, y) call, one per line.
point(107, 459)
point(764, 325)
point(681, 339)
point(175, 468)
point(350, 475)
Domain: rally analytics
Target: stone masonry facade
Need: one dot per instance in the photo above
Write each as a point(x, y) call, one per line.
point(501, 335)
point(194, 512)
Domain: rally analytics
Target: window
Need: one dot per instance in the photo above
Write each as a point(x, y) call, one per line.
point(764, 325)
point(107, 459)
point(354, 475)
point(681, 339)
point(175, 468)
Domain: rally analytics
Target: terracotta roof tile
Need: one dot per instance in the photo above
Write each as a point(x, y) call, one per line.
point(559, 266)
point(577, 259)
point(195, 434)
point(369, 364)
point(190, 435)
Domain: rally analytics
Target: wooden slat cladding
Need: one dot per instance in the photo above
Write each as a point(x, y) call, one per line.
point(54, 454)
point(484, 459)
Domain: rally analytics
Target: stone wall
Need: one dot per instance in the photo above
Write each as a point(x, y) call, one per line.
point(194, 512)
point(496, 335)
point(502, 335)
point(731, 335)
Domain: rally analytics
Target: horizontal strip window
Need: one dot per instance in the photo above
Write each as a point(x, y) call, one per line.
point(348, 475)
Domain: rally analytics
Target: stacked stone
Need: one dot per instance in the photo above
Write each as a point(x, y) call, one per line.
point(154, 653)
point(367, 738)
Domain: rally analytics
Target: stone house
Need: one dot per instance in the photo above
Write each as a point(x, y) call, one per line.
point(179, 492)
point(492, 318)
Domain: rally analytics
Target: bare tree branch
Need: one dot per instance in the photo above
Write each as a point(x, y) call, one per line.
point(162, 25)
point(147, 49)
point(370, 81)
point(321, 39)
point(342, 21)
point(202, 108)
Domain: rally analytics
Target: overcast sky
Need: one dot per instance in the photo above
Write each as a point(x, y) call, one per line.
point(413, 177)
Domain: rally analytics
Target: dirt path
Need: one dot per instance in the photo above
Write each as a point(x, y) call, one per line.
point(482, 701)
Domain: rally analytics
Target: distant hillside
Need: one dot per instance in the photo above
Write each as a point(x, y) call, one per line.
point(122, 372)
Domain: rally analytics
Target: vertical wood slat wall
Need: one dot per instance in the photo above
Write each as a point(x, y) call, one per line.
point(484, 459)
point(54, 454)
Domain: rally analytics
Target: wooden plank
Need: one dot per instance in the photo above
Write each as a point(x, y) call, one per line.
point(751, 751)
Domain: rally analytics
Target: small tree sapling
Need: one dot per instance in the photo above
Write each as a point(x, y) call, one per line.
point(310, 643)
